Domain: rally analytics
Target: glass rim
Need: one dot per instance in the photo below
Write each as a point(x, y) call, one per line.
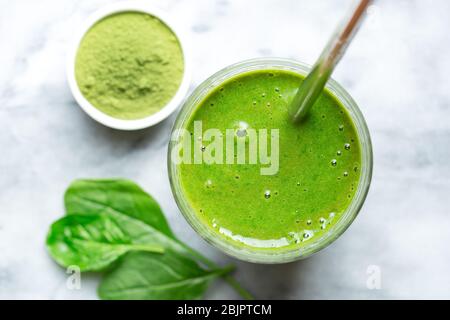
point(350, 213)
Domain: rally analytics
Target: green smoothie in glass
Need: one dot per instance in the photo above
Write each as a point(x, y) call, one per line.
point(281, 205)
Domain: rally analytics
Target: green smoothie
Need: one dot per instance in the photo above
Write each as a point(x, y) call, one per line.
point(317, 176)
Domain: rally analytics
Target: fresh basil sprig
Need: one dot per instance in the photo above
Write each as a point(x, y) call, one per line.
point(115, 225)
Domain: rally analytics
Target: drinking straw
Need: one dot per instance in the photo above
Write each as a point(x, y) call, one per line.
point(314, 83)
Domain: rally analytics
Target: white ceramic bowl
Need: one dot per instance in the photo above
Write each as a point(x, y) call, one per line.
point(98, 115)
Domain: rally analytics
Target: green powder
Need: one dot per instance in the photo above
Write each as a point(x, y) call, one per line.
point(129, 65)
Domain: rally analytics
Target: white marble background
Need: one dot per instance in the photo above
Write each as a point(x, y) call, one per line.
point(397, 70)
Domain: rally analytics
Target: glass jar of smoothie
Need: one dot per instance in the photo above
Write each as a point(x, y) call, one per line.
point(257, 186)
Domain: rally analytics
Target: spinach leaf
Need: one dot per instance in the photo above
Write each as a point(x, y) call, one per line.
point(123, 197)
point(93, 242)
point(144, 275)
point(109, 220)
point(115, 195)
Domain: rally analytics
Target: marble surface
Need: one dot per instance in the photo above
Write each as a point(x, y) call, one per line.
point(397, 70)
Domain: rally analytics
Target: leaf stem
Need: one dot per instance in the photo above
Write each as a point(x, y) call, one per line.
point(236, 286)
point(225, 270)
point(226, 276)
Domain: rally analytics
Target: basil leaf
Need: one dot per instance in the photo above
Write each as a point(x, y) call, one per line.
point(142, 275)
point(93, 242)
point(118, 195)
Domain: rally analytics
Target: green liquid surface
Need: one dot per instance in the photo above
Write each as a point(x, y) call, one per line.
point(319, 165)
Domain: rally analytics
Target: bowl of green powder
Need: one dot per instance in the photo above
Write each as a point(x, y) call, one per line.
point(127, 67)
